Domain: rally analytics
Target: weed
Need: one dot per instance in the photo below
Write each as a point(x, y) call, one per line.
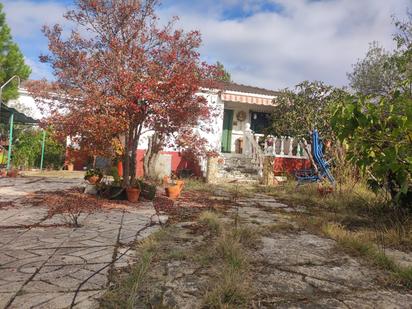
point(231, 291)
point(123, 294)
point(211, 220)
point(357, 243)
point(246, 235)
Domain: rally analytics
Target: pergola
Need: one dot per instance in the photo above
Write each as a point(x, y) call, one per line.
point(10, 116)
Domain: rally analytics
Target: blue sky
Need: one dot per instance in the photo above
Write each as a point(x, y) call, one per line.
point(266, 43)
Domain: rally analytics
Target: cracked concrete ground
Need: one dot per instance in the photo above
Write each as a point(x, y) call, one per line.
point(57, 266)
point(289, 268)
point(301, 270)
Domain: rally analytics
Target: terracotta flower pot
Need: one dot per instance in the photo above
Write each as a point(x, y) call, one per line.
point(12, 173)
point(94, 179)
point(70, 167)
point(323, 191)
point(173, 192)
point(120, 168)
point(133, 194)
point(165, 180)
point(180, 183)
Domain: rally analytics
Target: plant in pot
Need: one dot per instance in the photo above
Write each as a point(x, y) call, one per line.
point(133, 191)
point(118, 150)
point(148, 191)
point(70, 164)
point(93, 176)
point(173, 190)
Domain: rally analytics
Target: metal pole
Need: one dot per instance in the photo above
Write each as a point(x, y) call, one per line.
point(5, 84)
point(42, 150)
point(10, 141)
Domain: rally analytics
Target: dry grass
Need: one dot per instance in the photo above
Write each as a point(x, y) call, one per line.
point(353, 206)
point(124, 292)
point(362, 244)
point(211, 220)
point(362, 223)
point(231, 288)
point(231, 291)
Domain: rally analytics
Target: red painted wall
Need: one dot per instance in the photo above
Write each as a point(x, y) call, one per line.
point(179, 162)
point(80, 158)
point(290, 165)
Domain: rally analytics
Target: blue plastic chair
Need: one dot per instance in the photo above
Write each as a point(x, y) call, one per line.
point(305, 176)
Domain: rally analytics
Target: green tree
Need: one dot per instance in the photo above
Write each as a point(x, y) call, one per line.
point(27, 149)
point(376, 74)
point(225, 75)
point(301, 110)
point(11, 60)
point(378, 129)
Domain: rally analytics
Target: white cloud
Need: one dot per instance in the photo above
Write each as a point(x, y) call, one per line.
point(306, 40)
point(38, 70)
point(26, 17)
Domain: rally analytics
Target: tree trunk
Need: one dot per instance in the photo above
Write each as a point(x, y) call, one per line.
point(136, 137)
point(151, 156)
point(126, 159)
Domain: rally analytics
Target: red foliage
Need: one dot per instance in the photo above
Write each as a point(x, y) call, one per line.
point(120, 72)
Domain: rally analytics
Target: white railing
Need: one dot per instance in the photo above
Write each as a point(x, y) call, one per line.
point(283, 147)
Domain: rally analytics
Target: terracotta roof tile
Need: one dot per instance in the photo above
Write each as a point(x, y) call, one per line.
point(228, 86)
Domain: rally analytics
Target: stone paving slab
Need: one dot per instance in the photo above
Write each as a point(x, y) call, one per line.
point(48, 266)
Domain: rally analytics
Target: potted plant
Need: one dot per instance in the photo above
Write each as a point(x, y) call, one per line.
point(148, 191)
point(13, 172)
point(70, 164)
point(133, 191)
point(93, 176)
point(118, 150)
point(173, 191)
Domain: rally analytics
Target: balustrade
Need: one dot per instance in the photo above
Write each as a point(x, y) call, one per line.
point(284, 146)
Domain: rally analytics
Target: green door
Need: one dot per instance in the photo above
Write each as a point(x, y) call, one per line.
point(227, 130)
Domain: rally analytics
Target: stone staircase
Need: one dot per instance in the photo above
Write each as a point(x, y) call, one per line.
point(238, 168)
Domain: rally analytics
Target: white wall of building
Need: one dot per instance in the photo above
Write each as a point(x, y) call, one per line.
point(215, 125)
point(26, 104)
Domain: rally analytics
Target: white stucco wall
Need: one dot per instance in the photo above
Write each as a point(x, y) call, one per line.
point(26, 104)
point(215, 125)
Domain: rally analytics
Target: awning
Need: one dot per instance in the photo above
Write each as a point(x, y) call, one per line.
point(6, 111)
point(246, 99)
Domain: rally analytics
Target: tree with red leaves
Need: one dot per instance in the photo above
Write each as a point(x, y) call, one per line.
point(118, 74)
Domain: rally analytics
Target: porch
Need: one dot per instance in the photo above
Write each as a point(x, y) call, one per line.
point(244, 132)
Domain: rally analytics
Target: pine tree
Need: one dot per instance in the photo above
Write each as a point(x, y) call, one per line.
point(225, 75)
point(11, 60)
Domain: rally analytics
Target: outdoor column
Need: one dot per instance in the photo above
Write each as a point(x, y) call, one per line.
point(268, 178)
point(10, 141)
point(42, 150)
point(212, 169)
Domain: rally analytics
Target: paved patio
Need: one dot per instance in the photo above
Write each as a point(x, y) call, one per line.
point(57, 266)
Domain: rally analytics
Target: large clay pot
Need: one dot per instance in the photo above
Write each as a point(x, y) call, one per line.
point(120, 168)
point(166, 180)
point(133, 194)
point(94, 179)
point(70, 167)
point(180, 183)
point(173, 192)
point(12, 173)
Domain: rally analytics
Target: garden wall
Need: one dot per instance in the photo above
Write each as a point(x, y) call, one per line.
point(179, 162)
point(290, 165)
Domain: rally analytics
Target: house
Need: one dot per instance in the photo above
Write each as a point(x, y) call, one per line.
point(237, 135)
